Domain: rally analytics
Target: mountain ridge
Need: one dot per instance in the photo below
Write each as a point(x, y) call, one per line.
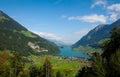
point(97, 34)
point(16, 37)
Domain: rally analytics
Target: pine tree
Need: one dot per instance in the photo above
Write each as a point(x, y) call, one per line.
point(47, 68)
point(16, 63)
point(98, 67)
point(33, 71)
point(59, 74)
point(115, 64)
point(112, 52)
point(4, 64)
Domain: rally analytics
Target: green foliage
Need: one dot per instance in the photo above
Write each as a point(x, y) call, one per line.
point(59, 63)
point(11, 65)
point(4, 64)
point(107, 65)
point(115, 61)
point(115, 64)
point(98, 68)
point(16, 63)
point(86, 72)
point(88, 49)
point(113, 45)
point(28, 34)
point(35, 72)
point(24, 73)
point(103, 42)
point(3, 18)
point(99, 33)
point(98, 65)
point(59, 74)
point(47, 68)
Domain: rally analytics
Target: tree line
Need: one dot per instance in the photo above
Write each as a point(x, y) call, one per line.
point(13, 65)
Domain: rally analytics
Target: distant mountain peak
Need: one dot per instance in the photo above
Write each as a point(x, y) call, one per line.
point(99, 27)
point(97, 34)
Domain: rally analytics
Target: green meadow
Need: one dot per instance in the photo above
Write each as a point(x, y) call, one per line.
point(63, 64)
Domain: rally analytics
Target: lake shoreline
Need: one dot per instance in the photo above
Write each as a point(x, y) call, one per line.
point(67, 51)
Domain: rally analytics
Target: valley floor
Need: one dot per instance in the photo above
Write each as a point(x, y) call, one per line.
point(59, 63)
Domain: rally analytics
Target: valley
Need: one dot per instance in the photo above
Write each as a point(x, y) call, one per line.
point(67, 66)
point(59, 38)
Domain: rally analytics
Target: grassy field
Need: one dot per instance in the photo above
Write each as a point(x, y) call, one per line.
point(28, 34)
point(63, 64)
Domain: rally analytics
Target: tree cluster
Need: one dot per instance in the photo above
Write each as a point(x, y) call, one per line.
point(13, 65)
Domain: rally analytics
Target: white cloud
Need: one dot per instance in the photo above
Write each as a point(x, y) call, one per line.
point(90, 18)
point(99, 2)
point(48, 36)
point(69, 40)
point(114, 7)
point(53, 37)
point(81, 32)
point(114, 11)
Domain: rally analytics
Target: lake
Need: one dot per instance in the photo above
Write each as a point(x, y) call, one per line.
point(67, 51)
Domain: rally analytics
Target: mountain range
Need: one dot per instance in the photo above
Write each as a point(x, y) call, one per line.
point(15, 37)
point(99, 33)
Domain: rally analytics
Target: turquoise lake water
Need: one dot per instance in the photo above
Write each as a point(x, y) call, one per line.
point(67, 51)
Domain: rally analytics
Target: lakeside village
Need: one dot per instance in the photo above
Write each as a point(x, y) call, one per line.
point(78, 59)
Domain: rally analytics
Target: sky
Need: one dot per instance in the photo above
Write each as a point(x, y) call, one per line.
point(62, 20)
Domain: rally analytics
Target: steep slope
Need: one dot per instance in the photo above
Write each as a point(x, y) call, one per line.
point(113, 44)
point(97, 34)
point(14, 37)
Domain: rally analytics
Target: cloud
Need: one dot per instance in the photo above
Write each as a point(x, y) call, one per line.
point(53, 37)
point(114, 7)
point(48, 36)
point(81, 32)
point(98, 3)
point(114, 11)
point(90, 18)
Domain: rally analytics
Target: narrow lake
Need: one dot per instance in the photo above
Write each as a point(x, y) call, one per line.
point(67, 51)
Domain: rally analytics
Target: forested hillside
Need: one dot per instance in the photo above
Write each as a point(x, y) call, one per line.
point(96, 35)
point(14, 37)
point(107, 64)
